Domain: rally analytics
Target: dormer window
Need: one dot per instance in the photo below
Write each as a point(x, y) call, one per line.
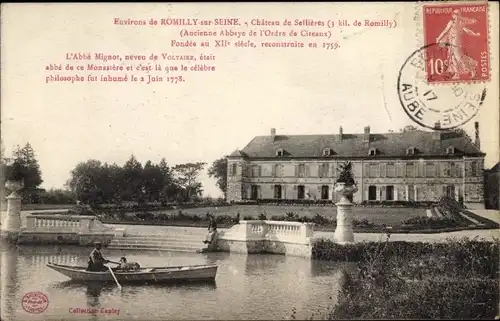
point(450, 150)
point(279, 152)
point(327, 152)
point(372, 152)
point(410, 151)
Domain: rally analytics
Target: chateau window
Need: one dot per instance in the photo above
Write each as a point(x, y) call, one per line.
point(323, 170)
point(473, 167)
point(234, 169)
point(279, 152)
point(277, 192)
point(374, 170)
point(410, 170)
point(255, 171)
point(277, 170)
point(327, 152)
point(457, 170)
point(452, 171)
point(410, 151)
point(391, 170)
point(450, 150)
point(302, 170)
point(372, 152)
point(430, 170)
point(325, 192)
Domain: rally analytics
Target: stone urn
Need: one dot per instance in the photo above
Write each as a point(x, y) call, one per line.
point(344, 232)
point(12, 224)
point(14, 186)
point(345, 190)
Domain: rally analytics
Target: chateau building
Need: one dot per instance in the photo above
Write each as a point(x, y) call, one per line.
point(407, 166)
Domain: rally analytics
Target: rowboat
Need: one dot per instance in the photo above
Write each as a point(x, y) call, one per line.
point(191, 273)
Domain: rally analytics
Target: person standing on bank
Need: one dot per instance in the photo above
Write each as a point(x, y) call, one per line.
point(212, 223)
point(212, 229)
point(96, 260)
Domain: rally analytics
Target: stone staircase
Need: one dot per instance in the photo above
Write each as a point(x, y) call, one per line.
point(160, 242)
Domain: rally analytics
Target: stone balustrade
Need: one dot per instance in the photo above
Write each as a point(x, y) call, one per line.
point(293, 232)
point(257, 236)
point(62, 223)
point(66, 229)
point(67, 223)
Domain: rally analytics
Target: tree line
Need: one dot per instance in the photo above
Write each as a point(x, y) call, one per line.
point(94, 182)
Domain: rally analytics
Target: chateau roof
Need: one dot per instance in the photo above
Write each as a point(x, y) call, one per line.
point(353, 145)
point(237, 153)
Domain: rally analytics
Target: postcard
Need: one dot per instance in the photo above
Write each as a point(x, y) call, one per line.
point(244, 161)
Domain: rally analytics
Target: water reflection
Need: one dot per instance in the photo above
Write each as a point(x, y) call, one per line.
point(9, 279)
point(93, 293)
point(246, 287)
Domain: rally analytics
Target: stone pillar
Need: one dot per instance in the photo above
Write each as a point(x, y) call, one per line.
point(344, 232)
point(12, 223)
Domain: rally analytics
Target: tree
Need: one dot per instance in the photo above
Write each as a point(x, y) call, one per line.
point(58, 196)
point(84, 181)
point(134, 183)
point(26, 169)
point(154, 178)
point(186, 177)
point(169, 188)
point(218, 170)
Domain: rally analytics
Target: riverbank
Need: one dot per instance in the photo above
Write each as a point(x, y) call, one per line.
point(415, 280)
point(319, 228)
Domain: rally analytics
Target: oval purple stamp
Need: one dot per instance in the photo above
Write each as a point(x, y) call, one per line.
point(35, 302)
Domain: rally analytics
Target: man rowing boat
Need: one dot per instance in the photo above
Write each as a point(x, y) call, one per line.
point(96, 260)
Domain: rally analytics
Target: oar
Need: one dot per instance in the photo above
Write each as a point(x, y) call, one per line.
point(114, 277)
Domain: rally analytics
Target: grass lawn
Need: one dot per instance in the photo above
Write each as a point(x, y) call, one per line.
point(391, 216)
point(380, 215)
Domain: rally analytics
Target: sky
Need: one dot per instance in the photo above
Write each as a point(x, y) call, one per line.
point(295, 90)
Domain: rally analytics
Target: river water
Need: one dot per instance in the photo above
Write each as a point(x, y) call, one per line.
point(247, 287)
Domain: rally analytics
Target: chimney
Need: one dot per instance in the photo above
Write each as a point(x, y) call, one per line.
point(341, 133)
point(477, 142)
point(273, 133)
point(366, 137)
point(436, 135)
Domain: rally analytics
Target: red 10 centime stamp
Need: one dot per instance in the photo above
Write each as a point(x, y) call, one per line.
point(461, 32)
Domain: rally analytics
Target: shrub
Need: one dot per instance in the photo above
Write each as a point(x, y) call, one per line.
point(345, 174)
point(320, 220)
point(449, 207)
point(262, 217)
point(291, 216)
point(428, 299)
point(363, 223)
point(145, 216)
point(403, 280)
point(434, 222)
point(469, 255)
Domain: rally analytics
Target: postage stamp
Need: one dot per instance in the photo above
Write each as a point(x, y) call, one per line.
point(35, 302)
point(436, 107)
point(461, 30)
